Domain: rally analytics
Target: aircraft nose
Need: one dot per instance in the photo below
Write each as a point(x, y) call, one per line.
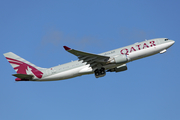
point(172, 42)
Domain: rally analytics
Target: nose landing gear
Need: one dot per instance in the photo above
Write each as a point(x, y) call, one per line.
point(100, 72)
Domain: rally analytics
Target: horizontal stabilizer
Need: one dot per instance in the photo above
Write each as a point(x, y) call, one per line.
point(23, 76)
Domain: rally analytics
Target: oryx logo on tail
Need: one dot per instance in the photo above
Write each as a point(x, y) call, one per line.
point(21, 67)
point(24, 68)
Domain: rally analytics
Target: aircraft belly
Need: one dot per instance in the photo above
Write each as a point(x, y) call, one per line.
point(63, 75)
point(86, 70)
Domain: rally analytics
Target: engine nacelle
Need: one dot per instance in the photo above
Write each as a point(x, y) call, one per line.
point(119, 68)
point(119, 59)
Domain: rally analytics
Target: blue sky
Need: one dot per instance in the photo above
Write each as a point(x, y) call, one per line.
point(37, 29)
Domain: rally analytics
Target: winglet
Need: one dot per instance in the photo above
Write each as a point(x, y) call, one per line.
point(66, 48)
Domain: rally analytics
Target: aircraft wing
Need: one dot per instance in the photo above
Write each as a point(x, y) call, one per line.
point(89, 58)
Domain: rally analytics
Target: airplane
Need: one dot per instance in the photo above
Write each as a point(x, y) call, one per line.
point(88, 63)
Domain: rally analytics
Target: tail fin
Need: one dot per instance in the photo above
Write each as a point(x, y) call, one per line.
point(21, 66)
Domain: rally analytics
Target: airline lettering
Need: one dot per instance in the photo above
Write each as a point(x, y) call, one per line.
point(125, 51)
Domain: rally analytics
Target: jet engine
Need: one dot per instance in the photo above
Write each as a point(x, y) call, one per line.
point(118, 69)
point(119, 59)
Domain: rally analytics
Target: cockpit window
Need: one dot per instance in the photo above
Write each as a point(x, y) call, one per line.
point(166, 39)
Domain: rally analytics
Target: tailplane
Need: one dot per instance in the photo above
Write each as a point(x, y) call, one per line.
point(24, 69)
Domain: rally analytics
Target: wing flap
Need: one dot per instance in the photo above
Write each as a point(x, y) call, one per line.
point(89, 58)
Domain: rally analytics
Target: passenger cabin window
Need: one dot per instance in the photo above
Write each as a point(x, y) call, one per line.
point(166, 39)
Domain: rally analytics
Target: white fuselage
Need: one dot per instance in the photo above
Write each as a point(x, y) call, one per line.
point(133, 52)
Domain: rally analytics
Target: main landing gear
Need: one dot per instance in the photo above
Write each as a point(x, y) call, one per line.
point(100, 72)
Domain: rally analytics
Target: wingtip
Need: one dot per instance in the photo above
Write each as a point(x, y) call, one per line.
point(66, 48)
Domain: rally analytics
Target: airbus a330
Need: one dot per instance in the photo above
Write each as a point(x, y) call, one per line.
point(88, 63)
